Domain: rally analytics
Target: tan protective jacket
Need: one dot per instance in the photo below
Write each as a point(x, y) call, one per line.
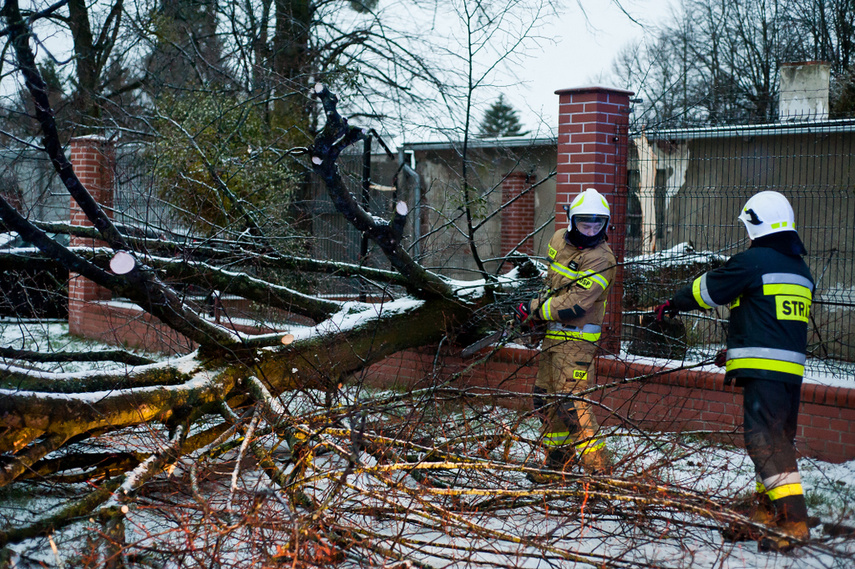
point(578, 281)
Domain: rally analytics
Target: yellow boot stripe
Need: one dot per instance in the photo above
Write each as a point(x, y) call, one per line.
point(784, 491)
point(590, 446)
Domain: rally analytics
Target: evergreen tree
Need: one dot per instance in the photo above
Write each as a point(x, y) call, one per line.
point(501, 119)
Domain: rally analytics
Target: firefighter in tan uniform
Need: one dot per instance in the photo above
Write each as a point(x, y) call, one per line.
point(581, 270)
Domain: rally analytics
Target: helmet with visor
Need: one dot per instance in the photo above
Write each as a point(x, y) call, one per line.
point(589, 215)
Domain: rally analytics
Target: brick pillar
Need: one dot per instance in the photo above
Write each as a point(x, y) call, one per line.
point(592, 153)
point(93, 159)
point(518, 216)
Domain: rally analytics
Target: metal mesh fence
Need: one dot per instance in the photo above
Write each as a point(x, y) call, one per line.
point(686, 189)
point(136, 201)
point(29, 182)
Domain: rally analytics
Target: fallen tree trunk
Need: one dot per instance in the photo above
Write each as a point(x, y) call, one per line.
point(41, 407)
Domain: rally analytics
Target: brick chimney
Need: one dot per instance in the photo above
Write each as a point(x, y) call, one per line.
point(93, 159)
point(593, 127)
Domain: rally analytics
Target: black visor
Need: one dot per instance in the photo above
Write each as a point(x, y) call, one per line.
point(590, 218)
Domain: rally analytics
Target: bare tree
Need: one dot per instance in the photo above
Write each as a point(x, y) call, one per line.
point(826, 27)
point(721, 61)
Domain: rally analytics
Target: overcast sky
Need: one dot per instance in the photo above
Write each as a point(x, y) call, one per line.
point(582, 54)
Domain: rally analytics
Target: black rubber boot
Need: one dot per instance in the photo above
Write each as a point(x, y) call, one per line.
point(558, 460)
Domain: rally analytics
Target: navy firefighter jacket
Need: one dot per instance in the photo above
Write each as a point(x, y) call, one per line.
point(769, 289)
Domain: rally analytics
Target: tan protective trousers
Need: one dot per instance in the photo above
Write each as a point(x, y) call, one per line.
point(569, 425)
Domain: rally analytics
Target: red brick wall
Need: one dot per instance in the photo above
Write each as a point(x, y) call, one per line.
point(689, 399)
point(592, 153)
point(517, 216)
point(677, 401)
point(89, 315)
point(130, 326)
point(513, 372)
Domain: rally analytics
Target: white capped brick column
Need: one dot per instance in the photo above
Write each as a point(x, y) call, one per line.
point(93, 160)
point(592, 153)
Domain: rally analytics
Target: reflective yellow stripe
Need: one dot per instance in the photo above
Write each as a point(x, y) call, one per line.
point(792, 301)
point(579, 275)
point(789, 289)
point(760, 488)
point(563, 271)
point(556, 439)
point(784, 491)
point(590, 446)
point(545, 309)
point(564, 335)
point(768, 365)
point(696, 292)
point(596, 277)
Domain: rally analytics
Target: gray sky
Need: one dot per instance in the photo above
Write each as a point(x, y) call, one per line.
point(582, 54)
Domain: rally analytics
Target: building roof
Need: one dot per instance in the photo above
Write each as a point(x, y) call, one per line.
point(780, 128)
point(493, 142)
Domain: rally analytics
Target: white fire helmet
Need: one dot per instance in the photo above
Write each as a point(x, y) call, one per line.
point(766, 213)
point(589, 203)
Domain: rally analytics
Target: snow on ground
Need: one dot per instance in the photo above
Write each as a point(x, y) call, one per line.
point(539, 535)
point(421, 522)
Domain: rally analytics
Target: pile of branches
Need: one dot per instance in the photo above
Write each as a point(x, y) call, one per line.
point(372, 478)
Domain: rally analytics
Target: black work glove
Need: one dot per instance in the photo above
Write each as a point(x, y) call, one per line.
point(666, 309)
point(721, 358)
point(522, 312)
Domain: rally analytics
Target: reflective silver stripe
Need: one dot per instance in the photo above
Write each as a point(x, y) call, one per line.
point(783, 485)
point(564, 271)
point(586, 329)
point(590, 446)
point(787, 278)
point(587, 333)
point(779, 480)
point(557, 439)
point(704, 292)
point(596, 277)
point(545, 309)
point(574, 336)
point(767, 354)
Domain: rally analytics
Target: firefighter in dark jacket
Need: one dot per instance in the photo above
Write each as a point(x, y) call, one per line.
point(769, 289)
point(581, 271)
